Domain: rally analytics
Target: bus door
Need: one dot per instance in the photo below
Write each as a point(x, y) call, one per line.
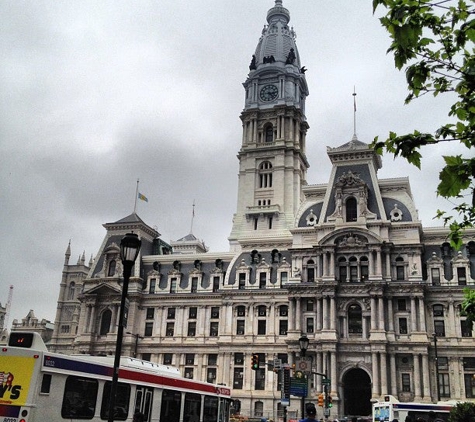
point(143, 402)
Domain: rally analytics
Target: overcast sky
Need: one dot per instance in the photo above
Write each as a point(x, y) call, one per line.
point(95, 94)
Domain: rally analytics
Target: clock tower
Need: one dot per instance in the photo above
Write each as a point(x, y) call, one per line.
point(272, 161)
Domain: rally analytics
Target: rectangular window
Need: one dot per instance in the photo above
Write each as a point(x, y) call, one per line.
point(189, 359)
point(79, 399)
point(402, 325)
point(212, 359)
point(192, 312)
point(462, 276)
point(170, 329)
point(215, 312)
point(310, 305)
point(283, 310)
point(153, 283)
point(260, 380)
point(64, 329)
point(364, 273)
point(283, 327)
point(270, 223)
point(311, 275)
point(439, 327)
point(262, 280)
point(171, 313)
point(147, 357)
point(167, 358)
point(466, 329)
point(444, 386)
point(240, 327)
point(170, 406)
point(469, 385)
point(215, 284)
point(213, 329)
point(211, 375)
point(173, 285)
point(148, 329)
point(150, 313)
point(238, 378)
point(191, 329)
point(284, 277)
point(400, 272)
point(238, 358)
point(438, 310)
point(122, 401)
point(242, 281)
point(194, 284)
point(406, 383)
point(353, 273)
point(241, 311)
point(401, 305)
point(435, 273)
point(255, 223)
point(46, 384)
point(189, 373)
point(310, 325)
point(261, 327)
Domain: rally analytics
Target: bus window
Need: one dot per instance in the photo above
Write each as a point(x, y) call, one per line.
point(46, 383)
point(171, 404)
point(79, 400)
point(192, 409)
point(122, 399)
point(143, 402)
point(210, 409)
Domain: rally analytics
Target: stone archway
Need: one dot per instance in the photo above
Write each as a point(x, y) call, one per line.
point(357, 393)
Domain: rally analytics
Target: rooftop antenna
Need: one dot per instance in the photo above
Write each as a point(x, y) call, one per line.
point(192, 217)
point(354, 111)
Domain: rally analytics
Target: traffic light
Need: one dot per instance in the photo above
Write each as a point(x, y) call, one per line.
point(255, 362)
point(320, 399)
point(330, 401)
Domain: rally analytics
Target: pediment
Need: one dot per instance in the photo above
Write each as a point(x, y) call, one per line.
point(103, 289)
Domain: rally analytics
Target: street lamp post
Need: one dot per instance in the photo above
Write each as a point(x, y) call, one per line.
point(303, 342)
point(437, 381)
point(129, 250)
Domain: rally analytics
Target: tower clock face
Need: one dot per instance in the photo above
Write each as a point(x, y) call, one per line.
point(269, 93)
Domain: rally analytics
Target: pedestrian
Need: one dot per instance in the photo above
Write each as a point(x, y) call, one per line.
point(311, 412)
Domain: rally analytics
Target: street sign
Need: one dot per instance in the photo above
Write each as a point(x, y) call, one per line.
point(277, 363)
point(326, 381)
point(326, 412)
point(299, 385)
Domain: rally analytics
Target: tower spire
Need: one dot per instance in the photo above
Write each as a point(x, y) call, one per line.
point(354, 112)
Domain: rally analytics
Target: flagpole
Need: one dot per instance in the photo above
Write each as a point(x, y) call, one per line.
point(192, 217)
point(136, 195)
point(354, 110)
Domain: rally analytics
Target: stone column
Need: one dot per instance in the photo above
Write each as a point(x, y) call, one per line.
point(375, 370)
point(325, 313)
point(373, 313)
point(318, 325)
point(298, 316)
point(332, 313)
point(422, 315)
point(426, 375)
point(413, 315)
point(291, 314)
point(333, 376)
point(384, 374)
point(390, 315)
point(381, 313)
point(392, 364)
point(417, 377)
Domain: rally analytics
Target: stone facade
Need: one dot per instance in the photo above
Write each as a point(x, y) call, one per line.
point(346, 263)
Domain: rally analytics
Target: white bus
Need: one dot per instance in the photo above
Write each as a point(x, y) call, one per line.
point(391, 409)
point(38, 386)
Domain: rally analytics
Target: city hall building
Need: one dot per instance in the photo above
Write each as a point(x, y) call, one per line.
point(347, 263)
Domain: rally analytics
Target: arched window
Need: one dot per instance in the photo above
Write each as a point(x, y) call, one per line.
point(72, 290)
point(269, 133)
point(265, 175)
point(310, 271)
point(342, 269)
point(355, 319)
point(112, 266)
point(351, 209)
point(105, 322)
point(364, 268)
point(258, 408)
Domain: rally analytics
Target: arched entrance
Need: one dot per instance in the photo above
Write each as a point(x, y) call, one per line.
point(357, 393)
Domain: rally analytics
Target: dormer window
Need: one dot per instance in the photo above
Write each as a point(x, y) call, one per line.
point(112, 266)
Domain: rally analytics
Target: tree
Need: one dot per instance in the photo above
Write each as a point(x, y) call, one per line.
point(463, 412)
point(468, 306)
point(434, 41)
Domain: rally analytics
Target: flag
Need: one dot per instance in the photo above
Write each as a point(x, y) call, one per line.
point(143, 197)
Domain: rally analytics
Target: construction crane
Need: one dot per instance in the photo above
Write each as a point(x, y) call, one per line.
point(7, 308)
